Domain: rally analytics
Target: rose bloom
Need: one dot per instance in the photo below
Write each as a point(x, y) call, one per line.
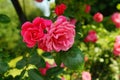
point(98, 17)
point(59, 10)
point(87, 8)
point(59, 37)
point(91, 37)
point(86, 76)
point(44, 70)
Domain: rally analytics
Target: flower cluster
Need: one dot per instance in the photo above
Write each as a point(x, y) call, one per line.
point(116, 49)
point(49, 36)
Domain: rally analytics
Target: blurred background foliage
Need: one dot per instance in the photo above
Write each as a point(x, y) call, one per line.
point(102, 64)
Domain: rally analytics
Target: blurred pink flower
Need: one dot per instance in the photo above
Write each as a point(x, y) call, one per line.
point(116, 49)
point(86, 76)
point(87, 8)
point(33, 32)
point(44, 70)
point(117, 25)
point(91, 37)
point(63, 78)
point(116, 19)
point(117, 39)
point(98, 17)
point(85, 58)
point(59, 37)
point(73, 21)
point(59, 10)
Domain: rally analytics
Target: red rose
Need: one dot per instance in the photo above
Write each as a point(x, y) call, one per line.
point(59, 10)
point(98, 17)
point(33, 32)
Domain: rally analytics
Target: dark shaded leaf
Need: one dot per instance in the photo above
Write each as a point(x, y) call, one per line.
point(54, 71)
point(73, 58)
point(37, 60)
point(3, 67)
point(47, 55)
point(58, 59)
point(34, 75)
point(4, 18)
point(22, 63)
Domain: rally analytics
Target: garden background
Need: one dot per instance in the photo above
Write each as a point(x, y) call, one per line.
point(95, 57)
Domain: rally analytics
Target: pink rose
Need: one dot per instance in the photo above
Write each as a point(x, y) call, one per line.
point(98, 17)
point(116, 19)
point(87, 8)
point(59, 10)
point(59, 37)
point(44, 70)
point(91, 37)
point(86, 76)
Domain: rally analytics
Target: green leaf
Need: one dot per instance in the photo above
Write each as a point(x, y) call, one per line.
point(3, 67)
point(37, 60)
point(4, 18)
point(57, 59)
point(22, 63)
point(73, 58)
point(54, 71)
point(34, 75)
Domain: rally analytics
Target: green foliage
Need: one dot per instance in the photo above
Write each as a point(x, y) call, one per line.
point(3, 67)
